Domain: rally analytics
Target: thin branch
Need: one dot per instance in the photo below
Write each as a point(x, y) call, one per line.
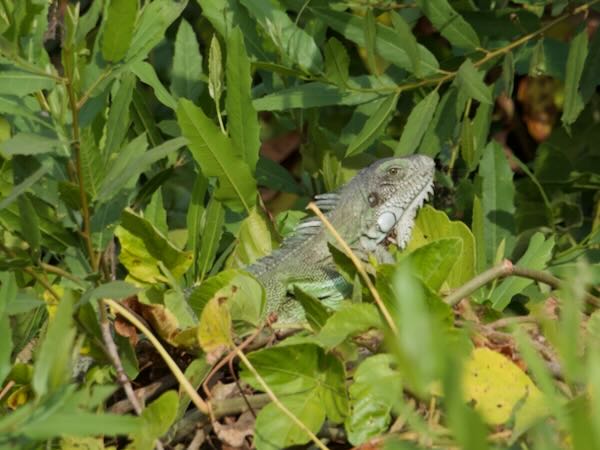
point(359, 267)
point(62, 273)
point(76, 145)
point(183, 381)
point(43, 282)
point(113, 353)
point(479, 281)
point(277, 402)
point(504, 269)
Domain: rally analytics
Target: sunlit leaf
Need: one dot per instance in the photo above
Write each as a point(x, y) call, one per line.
point(536, 257)
point(215, 154)
point(416, 124)
point(118, 31)
point(242, 120)
point(449, 23)
point(187, 64)
point(500, 390)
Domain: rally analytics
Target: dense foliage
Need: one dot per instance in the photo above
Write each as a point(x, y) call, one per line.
point(149, 146)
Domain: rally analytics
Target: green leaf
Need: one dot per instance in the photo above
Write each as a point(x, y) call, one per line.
point(315, 312)
point(337, 62)
point(574, 104)
point(23, 186)
point(247, 303)
point(434, 262)
point(536, 257)
point(508, 74)
point(590, 77)
point(21, 83)
point(408, 42)
point(242, 120)
point(29, 144)
point(467, 144)
point(215, 70)
point(215, 154)
point(78, 423)
point(351, 319)
point(496, 215)
point(293, 42)
point(132, 161)
point(449, 23)
point(157, 418)
point(143, 246)
point(416, 124)
point(52, 369)
point(470, 81)
point(8, 294)
point(441, 129)
point(115, 290)
point(118, 29)
point(388, 42)
point(30, 227)
point(417, 357)
point(255, 239)
point(119, 119)
point(187, 64)
point(311, 95)
point(212, 230)
point(194, 218)
point(151, 26)
point(431, 226)
point(93, 167)
point(274, 176)
point(312, 379)
point(375, 125)
point(274, 430)
point(225, 15)
point(370, 33)
point(375, 390)
point(480, 132)
point(146, 73)
point(156, 214)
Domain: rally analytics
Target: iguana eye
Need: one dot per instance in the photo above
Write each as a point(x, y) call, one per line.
point(373, 199)
point(393, 171)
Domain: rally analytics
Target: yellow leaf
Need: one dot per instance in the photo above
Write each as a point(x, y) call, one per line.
point(499, 389)
point(214, 330)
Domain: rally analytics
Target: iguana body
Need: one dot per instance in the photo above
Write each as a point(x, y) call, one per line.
point(380, 200)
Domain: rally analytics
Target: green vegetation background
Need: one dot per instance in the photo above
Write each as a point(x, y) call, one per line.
point(151, 146)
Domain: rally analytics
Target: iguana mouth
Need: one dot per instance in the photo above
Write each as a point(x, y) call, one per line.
point(404, 225)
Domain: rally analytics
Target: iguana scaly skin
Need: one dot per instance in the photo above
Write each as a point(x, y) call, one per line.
point(381, 200)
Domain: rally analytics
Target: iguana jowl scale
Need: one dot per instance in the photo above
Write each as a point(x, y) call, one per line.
point(380, 200)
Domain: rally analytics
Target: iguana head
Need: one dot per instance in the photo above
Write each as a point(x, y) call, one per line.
point(392, 192)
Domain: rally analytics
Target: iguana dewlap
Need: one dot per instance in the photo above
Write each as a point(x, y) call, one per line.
point(380, 200)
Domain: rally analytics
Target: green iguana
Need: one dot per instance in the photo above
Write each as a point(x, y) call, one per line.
point(380, 202)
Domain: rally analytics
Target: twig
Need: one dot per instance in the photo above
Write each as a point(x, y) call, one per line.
point(62, 273)
point(43, 282)
point(277, 402)
point(145, 392)
point(504, 269)
point(359, 267)
point(76, 145)
point(183, 381)
point(113, 354)
point(508, 321)
point(228, 407)
point(6, 388)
